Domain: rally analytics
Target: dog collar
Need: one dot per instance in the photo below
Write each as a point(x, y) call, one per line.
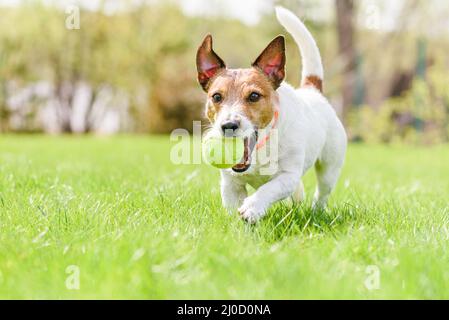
point(265, 139)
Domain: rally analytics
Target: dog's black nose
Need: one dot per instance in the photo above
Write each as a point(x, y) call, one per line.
point(229, 127)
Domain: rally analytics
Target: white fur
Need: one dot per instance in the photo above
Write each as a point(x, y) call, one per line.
point(310, 134)
point(310, 53)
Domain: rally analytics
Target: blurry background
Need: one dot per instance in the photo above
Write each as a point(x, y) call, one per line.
point(129, 66)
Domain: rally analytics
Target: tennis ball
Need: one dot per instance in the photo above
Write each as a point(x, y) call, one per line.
point(223, 152)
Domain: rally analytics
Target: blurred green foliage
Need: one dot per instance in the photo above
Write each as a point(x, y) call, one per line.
point(419, 116)
point(147, 54)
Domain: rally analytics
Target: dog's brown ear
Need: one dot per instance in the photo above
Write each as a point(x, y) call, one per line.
point(272, 61)
point(208, 63)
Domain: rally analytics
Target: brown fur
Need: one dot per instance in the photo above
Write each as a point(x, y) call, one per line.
point(235, 86)
point(313, 81)
point(272, 61)
point(208, 63)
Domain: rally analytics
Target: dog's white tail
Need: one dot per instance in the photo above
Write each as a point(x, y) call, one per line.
point(312, 67)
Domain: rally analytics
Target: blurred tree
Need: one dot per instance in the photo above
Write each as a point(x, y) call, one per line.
point(345, 15)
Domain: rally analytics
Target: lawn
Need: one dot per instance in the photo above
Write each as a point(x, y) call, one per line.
point(115, 214)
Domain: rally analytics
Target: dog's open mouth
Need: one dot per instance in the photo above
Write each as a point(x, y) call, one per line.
point(250, 143)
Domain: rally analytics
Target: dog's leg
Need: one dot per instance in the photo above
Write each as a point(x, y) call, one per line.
point(233, 192)
point(327, 176)
point(280, 187)
point(299, 195)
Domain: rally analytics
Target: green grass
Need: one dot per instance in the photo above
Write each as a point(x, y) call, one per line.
point(138, 226)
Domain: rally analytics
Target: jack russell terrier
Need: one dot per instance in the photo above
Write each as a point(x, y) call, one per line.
point(255, 104)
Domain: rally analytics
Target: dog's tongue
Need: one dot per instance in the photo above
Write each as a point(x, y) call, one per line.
point(249, 144)
point(243, 165)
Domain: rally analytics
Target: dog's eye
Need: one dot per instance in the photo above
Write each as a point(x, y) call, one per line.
point(217, 98)
point(254, 97)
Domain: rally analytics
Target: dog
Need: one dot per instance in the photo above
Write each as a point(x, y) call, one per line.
point(255, 103)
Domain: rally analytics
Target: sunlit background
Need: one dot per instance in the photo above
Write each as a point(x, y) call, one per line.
point(130, 65)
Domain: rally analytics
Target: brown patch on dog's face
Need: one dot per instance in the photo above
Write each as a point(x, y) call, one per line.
point(247, 91)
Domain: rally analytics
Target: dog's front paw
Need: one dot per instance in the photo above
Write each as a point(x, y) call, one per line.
point(252, 210)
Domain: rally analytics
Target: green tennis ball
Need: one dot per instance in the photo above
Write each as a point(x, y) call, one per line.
point(223, 153)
